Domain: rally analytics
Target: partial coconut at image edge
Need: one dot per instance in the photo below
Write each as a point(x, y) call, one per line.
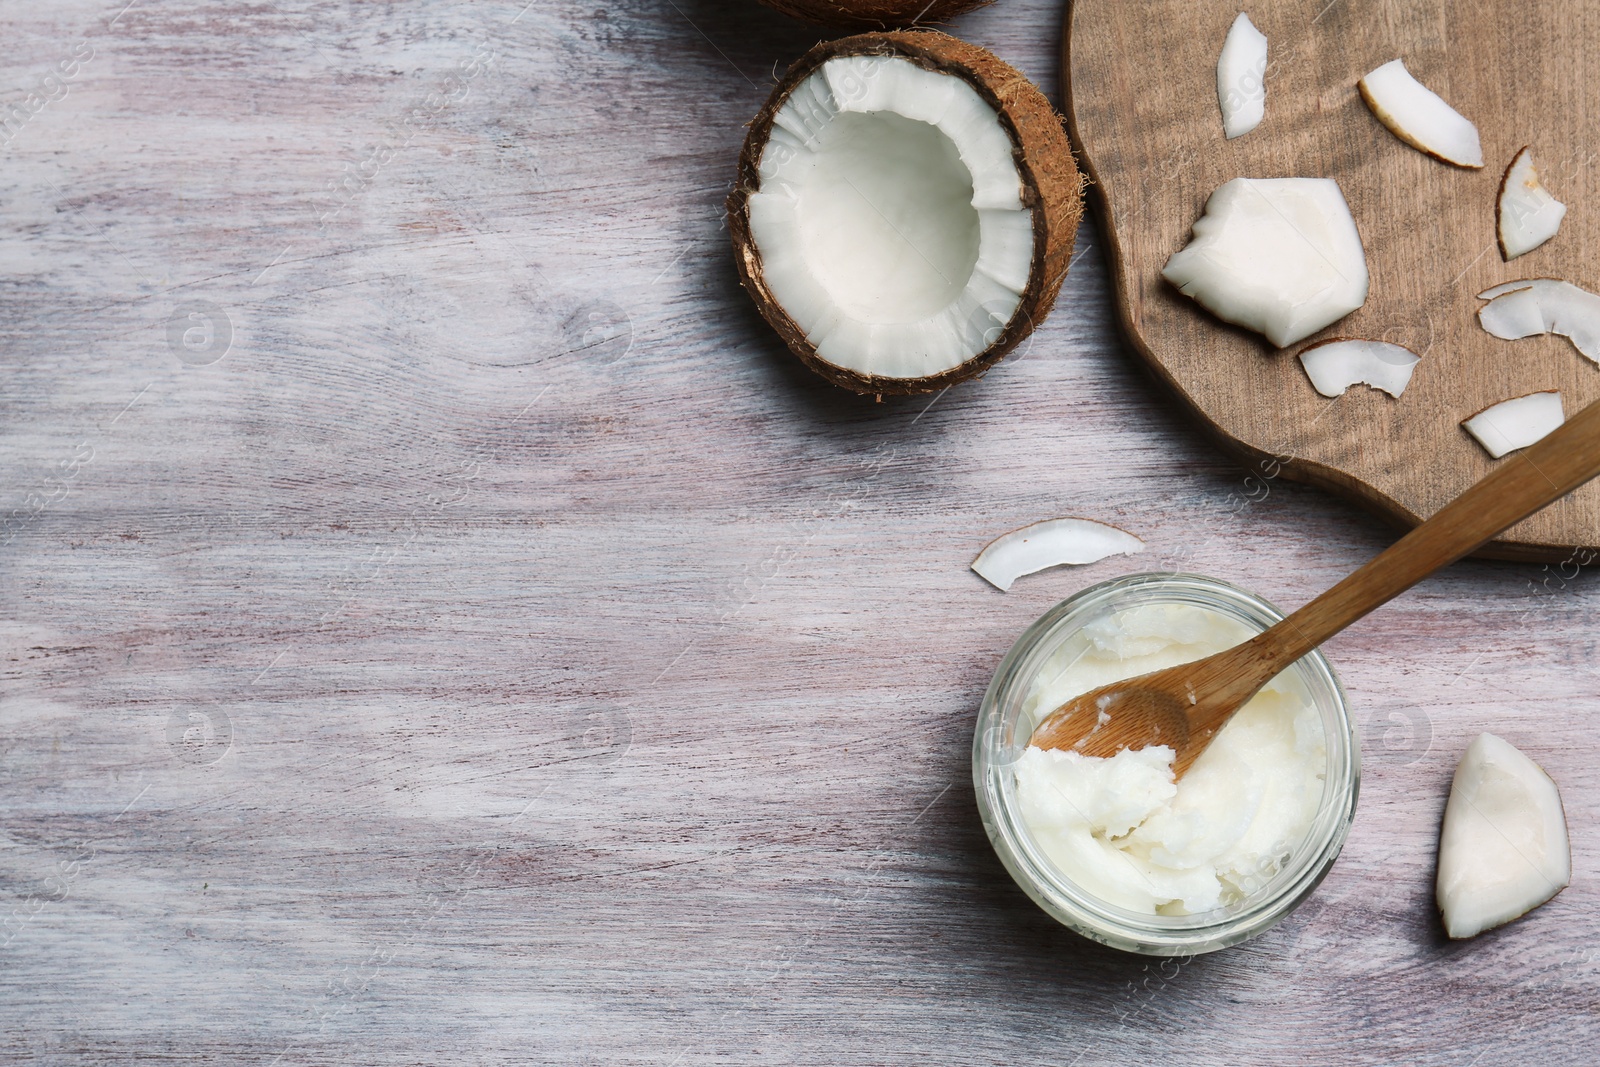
point(859, 15)
point(1051, 192)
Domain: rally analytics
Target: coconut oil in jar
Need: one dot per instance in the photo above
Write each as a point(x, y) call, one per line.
point(1115, 848)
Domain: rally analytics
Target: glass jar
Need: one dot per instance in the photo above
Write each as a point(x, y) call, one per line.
point(1001, 738)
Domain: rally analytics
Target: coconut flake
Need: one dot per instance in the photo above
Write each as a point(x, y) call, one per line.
point(1241, 78)
point(1051, 543)
point(1338, 363)
point(1503, 849)
point(1280, 256)
point(1516, 423)
point(1419, 116)
point(1526, 215)
point(1537, 306)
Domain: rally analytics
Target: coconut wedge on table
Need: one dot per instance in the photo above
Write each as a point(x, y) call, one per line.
point(905, 210)
point(1503, 849)
point(1051, 543)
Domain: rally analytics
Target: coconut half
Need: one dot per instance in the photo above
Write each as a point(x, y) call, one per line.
point(1280, 256)
point(1242, 78)
point(857, 15)
point(1419, 116)
point(1338, 363)
point(1051, 543)
point(905, 210)
point(1538, 306)
point(1526, 215)
point(1503, 849)
point(1516, 423)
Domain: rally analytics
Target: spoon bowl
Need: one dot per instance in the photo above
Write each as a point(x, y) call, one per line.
point(1181, 707)
point(1144, 714)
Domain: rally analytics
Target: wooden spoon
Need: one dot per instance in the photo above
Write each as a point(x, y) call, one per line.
point(1185, 706)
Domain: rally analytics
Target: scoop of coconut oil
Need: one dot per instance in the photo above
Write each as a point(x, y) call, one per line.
point(1121, 828)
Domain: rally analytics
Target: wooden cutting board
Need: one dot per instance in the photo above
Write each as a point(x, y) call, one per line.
point(1142, 104)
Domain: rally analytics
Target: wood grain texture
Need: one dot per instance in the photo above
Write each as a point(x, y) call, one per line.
point(1155, 149)
point(505, 652)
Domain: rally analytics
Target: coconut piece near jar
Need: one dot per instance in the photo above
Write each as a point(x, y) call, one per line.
point(1122, 828)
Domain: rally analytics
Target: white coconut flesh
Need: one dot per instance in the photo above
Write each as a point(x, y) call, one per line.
point(890, 220)
point(1280, 256)
point(1527, 214)
point(1419, 116)
point(1516, 423)
point(1538, 306)
point(1241, 78)
point(1503, 850)
point(1051, 543)
point(1334, 366)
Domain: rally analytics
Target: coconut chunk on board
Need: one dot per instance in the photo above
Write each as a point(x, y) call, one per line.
point(1537, 306)
point(1526, 215)
point(1516, 423)
point(1419, 116)
point(1280, 256)
point(1338, 363)
point(1242, 78)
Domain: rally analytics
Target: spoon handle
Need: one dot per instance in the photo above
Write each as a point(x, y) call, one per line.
point(1522, 484)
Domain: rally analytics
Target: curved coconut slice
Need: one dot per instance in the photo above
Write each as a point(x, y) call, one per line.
point(1242, 78)
point(1280, 256)
point(1338, 363)
point(1419, 116)
point(1537, 306)
point(1516, 423)
point(1503, 849)
point(1526, 215)
point(856, 15)
point(1051, 543)
point(905, 210)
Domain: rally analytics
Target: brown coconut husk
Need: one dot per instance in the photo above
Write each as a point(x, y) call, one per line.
point(1052, 189)
point(859, 15)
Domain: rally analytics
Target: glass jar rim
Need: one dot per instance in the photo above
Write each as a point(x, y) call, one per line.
point(1101, 920)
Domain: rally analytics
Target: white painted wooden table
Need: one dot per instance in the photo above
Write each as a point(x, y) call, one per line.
point(442, 626)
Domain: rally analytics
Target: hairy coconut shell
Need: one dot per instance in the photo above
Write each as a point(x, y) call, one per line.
point(1052, 190)
point(874, 14)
